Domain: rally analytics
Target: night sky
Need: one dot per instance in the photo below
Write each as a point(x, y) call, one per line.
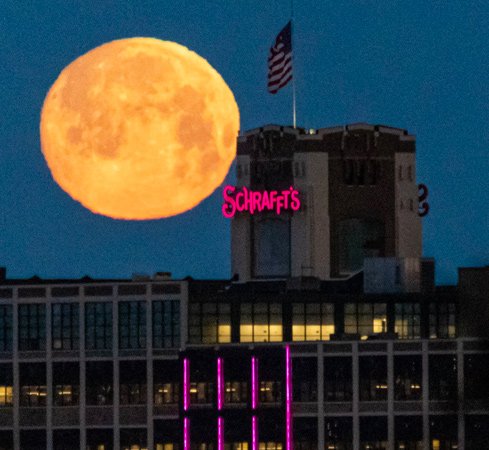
point(419, 65)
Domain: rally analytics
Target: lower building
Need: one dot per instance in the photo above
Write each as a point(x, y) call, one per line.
point(157, 363)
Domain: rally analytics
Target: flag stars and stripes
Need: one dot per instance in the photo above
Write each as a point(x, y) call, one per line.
point(280, 60)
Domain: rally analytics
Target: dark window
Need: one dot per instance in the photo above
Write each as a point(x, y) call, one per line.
point(71, 291)
point(6, 386)
point(365, 319)
point(98, 326)
point(66, 439)
point(132, 289)
point(132, 382)
point(32, 327)
point(407, 377)
point(444, 432)
point(373, 378)
point(32, 292)
point(94, 291)
point(132, 325)
point(304, 380)
point(133, 439)
point(372, 172)
point(359, 238)
point(408, 320)
point(442, 320)
point(373, 433)
point(166, 324)
point(99, 382)
point(100, 439)
point(261, 322)
point(157, 289)
point(33, 390)
point(66, 383)
point(271, 247)
point(348, 172)
point(409, 432)
point(443, 377)
point(65, 326)
point(337, 379)
point(166, 382)
point(476, 432)
point(6, 440)
point(5, 328)
point(167, 434)
point(33, 440)
point(209, 323)
point(338, 433)
point(312, 321)
point(476, 374)
point(305, 433)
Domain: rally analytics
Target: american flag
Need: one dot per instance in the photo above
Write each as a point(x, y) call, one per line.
point(280, 60)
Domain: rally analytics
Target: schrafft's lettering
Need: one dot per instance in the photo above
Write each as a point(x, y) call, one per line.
point(243, 199)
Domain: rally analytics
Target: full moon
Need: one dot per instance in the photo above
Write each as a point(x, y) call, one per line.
point(139, 129)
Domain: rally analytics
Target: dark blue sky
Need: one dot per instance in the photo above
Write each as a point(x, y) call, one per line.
point(418, 65)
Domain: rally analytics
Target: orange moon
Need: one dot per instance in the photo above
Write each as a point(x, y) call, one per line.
point(139, 129)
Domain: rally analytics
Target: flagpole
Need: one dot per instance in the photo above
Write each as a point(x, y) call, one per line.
point(294, 115)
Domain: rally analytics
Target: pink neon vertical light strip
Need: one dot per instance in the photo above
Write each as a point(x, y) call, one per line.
point(220, 383)
point(288, 400)
point(254, 433)
point(186, 384)
point(220, 433)
point(186, 433)
point(254, 383)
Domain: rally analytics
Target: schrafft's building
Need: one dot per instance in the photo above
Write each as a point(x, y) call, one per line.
point(330, 335)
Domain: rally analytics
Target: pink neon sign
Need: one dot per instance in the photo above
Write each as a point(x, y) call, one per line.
point(254, 433)
point(220, 433)
point(254, 382)
point(244, 199)
point(220, 383)
point(186, 433)
point(186, 384)
point(288, 400)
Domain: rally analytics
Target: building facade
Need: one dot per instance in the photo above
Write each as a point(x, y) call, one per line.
point(330, 335)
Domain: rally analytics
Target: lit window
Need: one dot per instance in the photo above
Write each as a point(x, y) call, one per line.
point(270, 391)
point(209, 323)
point(6, 396)
point(66, 383)
point(312, 321)
point(166, 393)
point(365, 319)
point(236, 392)
point(261, 322)
point(270, 446)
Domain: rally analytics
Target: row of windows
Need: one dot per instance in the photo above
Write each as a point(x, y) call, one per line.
point(98, 325)
point(210, 322)
point(337, 381)
point(263, 322)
